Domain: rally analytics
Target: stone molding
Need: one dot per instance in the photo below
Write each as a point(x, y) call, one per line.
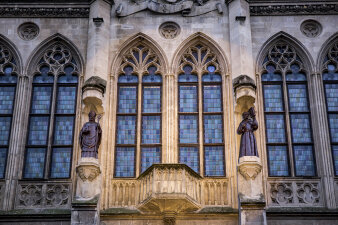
point(69, 12)
point(297, 9)
point(249, 167)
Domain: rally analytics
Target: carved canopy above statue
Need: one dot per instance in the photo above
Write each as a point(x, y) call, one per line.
point(186, 7)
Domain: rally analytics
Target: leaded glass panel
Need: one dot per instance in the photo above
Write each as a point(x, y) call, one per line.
point(295, 77)
point(278, 161)
point(128, 79)
point(5, 128)
point(188, 99)
point(271, 77)
point(151, 99)
point(187, 78)
point(212, 98)
point(126, 127)
point(8, 78)
point(301, 129)
point(7, 95)
point(41, 100)
point(212, 78)
point(38, 130)
point(66, 100)
point(68, 79)
point(61, 162)
point(127, 99)
point(275, 128)
point(331, 91)
point(333, 120)
point(335, 157)
point(149, 156)
point(190, 157)
point(3, 157)
point(43, 79)
point(188, 129)
point(273, 98)
point(63, 133)
point(213, 129)
point(35, 162)
point(304, 161)
point(125, 162)
point(151, 129)
point(152, 78)
point(214, 160)
point(298, 98)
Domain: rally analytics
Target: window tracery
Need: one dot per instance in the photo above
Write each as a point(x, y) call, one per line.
point(139, 75)
point(330, 79)
point(50, 135)
point(8, 83)
point(287, 113)
point(200, 108)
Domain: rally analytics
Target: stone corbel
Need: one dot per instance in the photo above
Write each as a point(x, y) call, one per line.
point(249, 167)
point(245, 92)
point(92, 93)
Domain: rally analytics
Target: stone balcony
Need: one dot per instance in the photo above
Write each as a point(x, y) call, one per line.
point(169, 188)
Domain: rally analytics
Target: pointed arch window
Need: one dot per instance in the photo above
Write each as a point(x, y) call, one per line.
point(330, 79)
point(139, 79)
point(200, 111)
point(287, 113)
point(8, 81)
point(50, 135)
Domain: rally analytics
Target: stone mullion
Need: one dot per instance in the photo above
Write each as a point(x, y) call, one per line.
point(200, 123)
point(16, 149)
point(169, 150)
point(138, 128)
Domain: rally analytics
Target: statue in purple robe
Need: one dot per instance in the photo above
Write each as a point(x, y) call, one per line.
point(246, 128)
point(90, 137)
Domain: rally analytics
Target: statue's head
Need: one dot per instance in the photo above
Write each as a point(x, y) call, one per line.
point(245, 115)
point(92, 116)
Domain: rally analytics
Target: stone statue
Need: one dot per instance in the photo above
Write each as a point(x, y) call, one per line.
point(246, 128)
point(90, 136)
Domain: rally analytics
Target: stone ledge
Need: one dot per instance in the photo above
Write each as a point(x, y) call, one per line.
point(296, 211)
point(217, 210)
point(36, 213)
point(119, 211)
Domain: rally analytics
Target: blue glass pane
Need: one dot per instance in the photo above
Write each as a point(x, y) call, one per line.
point(128, 79)
point(333, 120)
point(298, 98)
point(126, 126)
point(330, 76)
point(151, 99)
point(63, 130)
point(43, 79)
point(151, 129)
point(190, 157)
point(149, 156)
point(68, 79)
point(61, 160)
point(271, 77)
point(212, 98)
point(8, 78)
point(187, 78)
point(7, 95)
point(38, 130)
point(273, 98)
point(5, 128)
point(278, 161)
point(331, 91)
point(188, 98)
point(66, 100)
point(335, 157)
point(212, 78)
point(295, 77)
point(41, 100)
point(213, 129)
point(35, 162)
point(3, 157)
point(152, 78)
point(304, 160)
point(275, 128)
point(127, 99)
point(214, 161)
point(301, 129)
point(125, 162)
point(188, 129)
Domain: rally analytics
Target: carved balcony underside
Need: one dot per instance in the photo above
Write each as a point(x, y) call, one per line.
point(169, 188)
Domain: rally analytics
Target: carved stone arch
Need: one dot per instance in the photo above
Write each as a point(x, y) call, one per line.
point(200, 38)
point(55, 39)
point(134, 41)
point(328, 44)
point(15, 53)
point(299, 48)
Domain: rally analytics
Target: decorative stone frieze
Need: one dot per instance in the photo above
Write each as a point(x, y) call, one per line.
point(169, 30)
point(28, 31)
point(297, 9)
point(311, 28)
point(43, 195)
point(281, 193)
point(308, 193)
point(69, 12)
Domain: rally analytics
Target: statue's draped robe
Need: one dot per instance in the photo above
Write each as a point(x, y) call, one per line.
point(248, 140)
point(90, 138)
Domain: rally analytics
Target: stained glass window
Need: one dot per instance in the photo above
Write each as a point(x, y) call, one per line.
point(283, 64)
point(8, 80)
point(208, 107)
point(48, 116)
point(128, 114)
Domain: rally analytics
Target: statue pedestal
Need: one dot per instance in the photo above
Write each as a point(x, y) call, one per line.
point(85, 206)
point(250, 186)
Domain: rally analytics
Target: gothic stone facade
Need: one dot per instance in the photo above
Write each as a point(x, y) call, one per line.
point(171, 79)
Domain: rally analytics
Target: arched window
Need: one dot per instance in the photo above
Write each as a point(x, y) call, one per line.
point(287, 113)
point(8, 81)
point(200, 111)
point(49, 145)
point(330, 79)
point(138, 109)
